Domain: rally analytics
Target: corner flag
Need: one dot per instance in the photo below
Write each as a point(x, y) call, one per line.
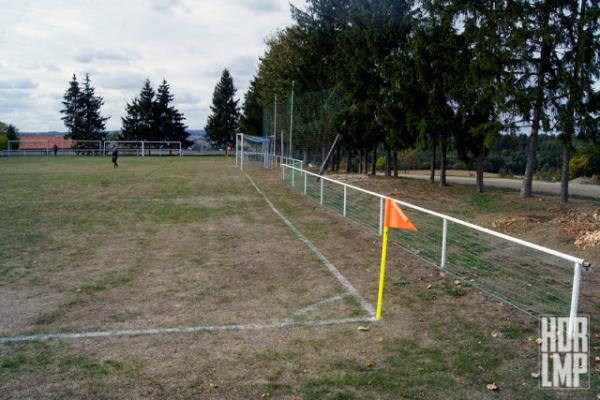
point(393, 218)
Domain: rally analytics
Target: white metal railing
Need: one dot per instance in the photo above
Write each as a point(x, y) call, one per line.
point(142, 148)
point(313, 184)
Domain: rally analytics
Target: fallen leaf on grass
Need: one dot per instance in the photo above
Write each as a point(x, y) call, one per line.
point(539, 340)
point(371, 363)
point(442, 274)
point(535, 375)
point(264, 396)
point(363, 328)
point(457, 282)
point(380, 340)
point(213, 385)
point(495, 334)
point(429, 286)
point(491, 386)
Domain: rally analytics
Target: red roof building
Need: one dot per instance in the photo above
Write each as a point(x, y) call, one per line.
point(43, 142)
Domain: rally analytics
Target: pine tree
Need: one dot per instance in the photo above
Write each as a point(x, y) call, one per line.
point(168, 120)
point(81, 111)
point(578, 73)
point(222, 124)
point(139, 120)
point(251, 118)
point(72, 112)
point(94, 124)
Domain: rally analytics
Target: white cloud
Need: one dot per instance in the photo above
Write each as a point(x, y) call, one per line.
point(120, 44)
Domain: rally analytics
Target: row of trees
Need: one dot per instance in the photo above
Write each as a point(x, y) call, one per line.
point(150, 116)
point(441, 73)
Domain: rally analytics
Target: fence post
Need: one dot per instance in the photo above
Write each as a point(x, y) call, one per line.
point(381, 211)
point(321, 191)
point(293, 174)
point(345, 195)
point(444, 243)
point(574, 299)
point(305, 178)
point(282, 171)
point(242, 152)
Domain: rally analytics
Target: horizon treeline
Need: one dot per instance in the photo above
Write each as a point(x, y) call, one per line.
point(150, 116)
point(440, 74)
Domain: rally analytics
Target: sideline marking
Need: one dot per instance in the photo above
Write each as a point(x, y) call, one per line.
point(334, 271)
point(182, 329)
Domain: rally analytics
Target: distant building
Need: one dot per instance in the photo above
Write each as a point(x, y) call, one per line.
point(32, 142)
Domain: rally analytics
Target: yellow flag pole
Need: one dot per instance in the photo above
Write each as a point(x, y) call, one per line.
point(382, 272)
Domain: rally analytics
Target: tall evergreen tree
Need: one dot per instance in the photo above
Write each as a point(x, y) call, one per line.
point(72, 111)
point(168, 120)
point(222, 124)
point(94, 124)
point(252, 115)
point(82, 111)
point(578, 72)
point(534, 42)
point(139, 119)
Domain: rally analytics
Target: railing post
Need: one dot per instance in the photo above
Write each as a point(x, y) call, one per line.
point(293, 175)
point(444, 243)
point(321, 191)
point(381, 211)
point(345, 196)
point(305, 178)
point(574, 299)
point(282, 171)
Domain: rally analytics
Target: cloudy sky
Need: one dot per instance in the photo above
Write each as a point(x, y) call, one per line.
point(120, 43)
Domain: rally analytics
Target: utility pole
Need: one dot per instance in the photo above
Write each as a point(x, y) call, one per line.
point(292, 121)
point(275, 125)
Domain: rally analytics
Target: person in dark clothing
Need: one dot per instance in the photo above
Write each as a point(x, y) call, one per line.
point(55, 149)
point(115, 156)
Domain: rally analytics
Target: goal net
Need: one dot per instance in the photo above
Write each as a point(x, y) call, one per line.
point(253, 150)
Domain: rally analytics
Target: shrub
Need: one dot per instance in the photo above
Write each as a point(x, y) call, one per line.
point(3, 142)
point(580, 166)
point(380, 164)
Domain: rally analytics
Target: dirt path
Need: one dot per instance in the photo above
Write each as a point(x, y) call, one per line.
point(576, 189)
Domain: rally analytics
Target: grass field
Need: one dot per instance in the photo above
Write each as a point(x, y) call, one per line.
point(162, 243)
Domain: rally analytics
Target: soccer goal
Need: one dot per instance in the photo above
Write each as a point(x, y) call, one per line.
point(143, 148)
point(260, 150)
point(251, 149)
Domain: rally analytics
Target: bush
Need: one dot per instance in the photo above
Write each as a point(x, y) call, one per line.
point(3, 142)
point(408, 159)
point(580, 166)
point(505, 173)
point(380, 164)
point(548, 174)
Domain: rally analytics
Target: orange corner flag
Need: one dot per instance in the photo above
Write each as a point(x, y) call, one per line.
point(395, 218)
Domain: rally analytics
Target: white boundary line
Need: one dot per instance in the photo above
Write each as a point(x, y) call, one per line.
point(182, 329)
point(334, 271)
point(318, 304)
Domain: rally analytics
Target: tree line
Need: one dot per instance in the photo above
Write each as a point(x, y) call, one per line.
point(151, 116)
point(441, 74)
